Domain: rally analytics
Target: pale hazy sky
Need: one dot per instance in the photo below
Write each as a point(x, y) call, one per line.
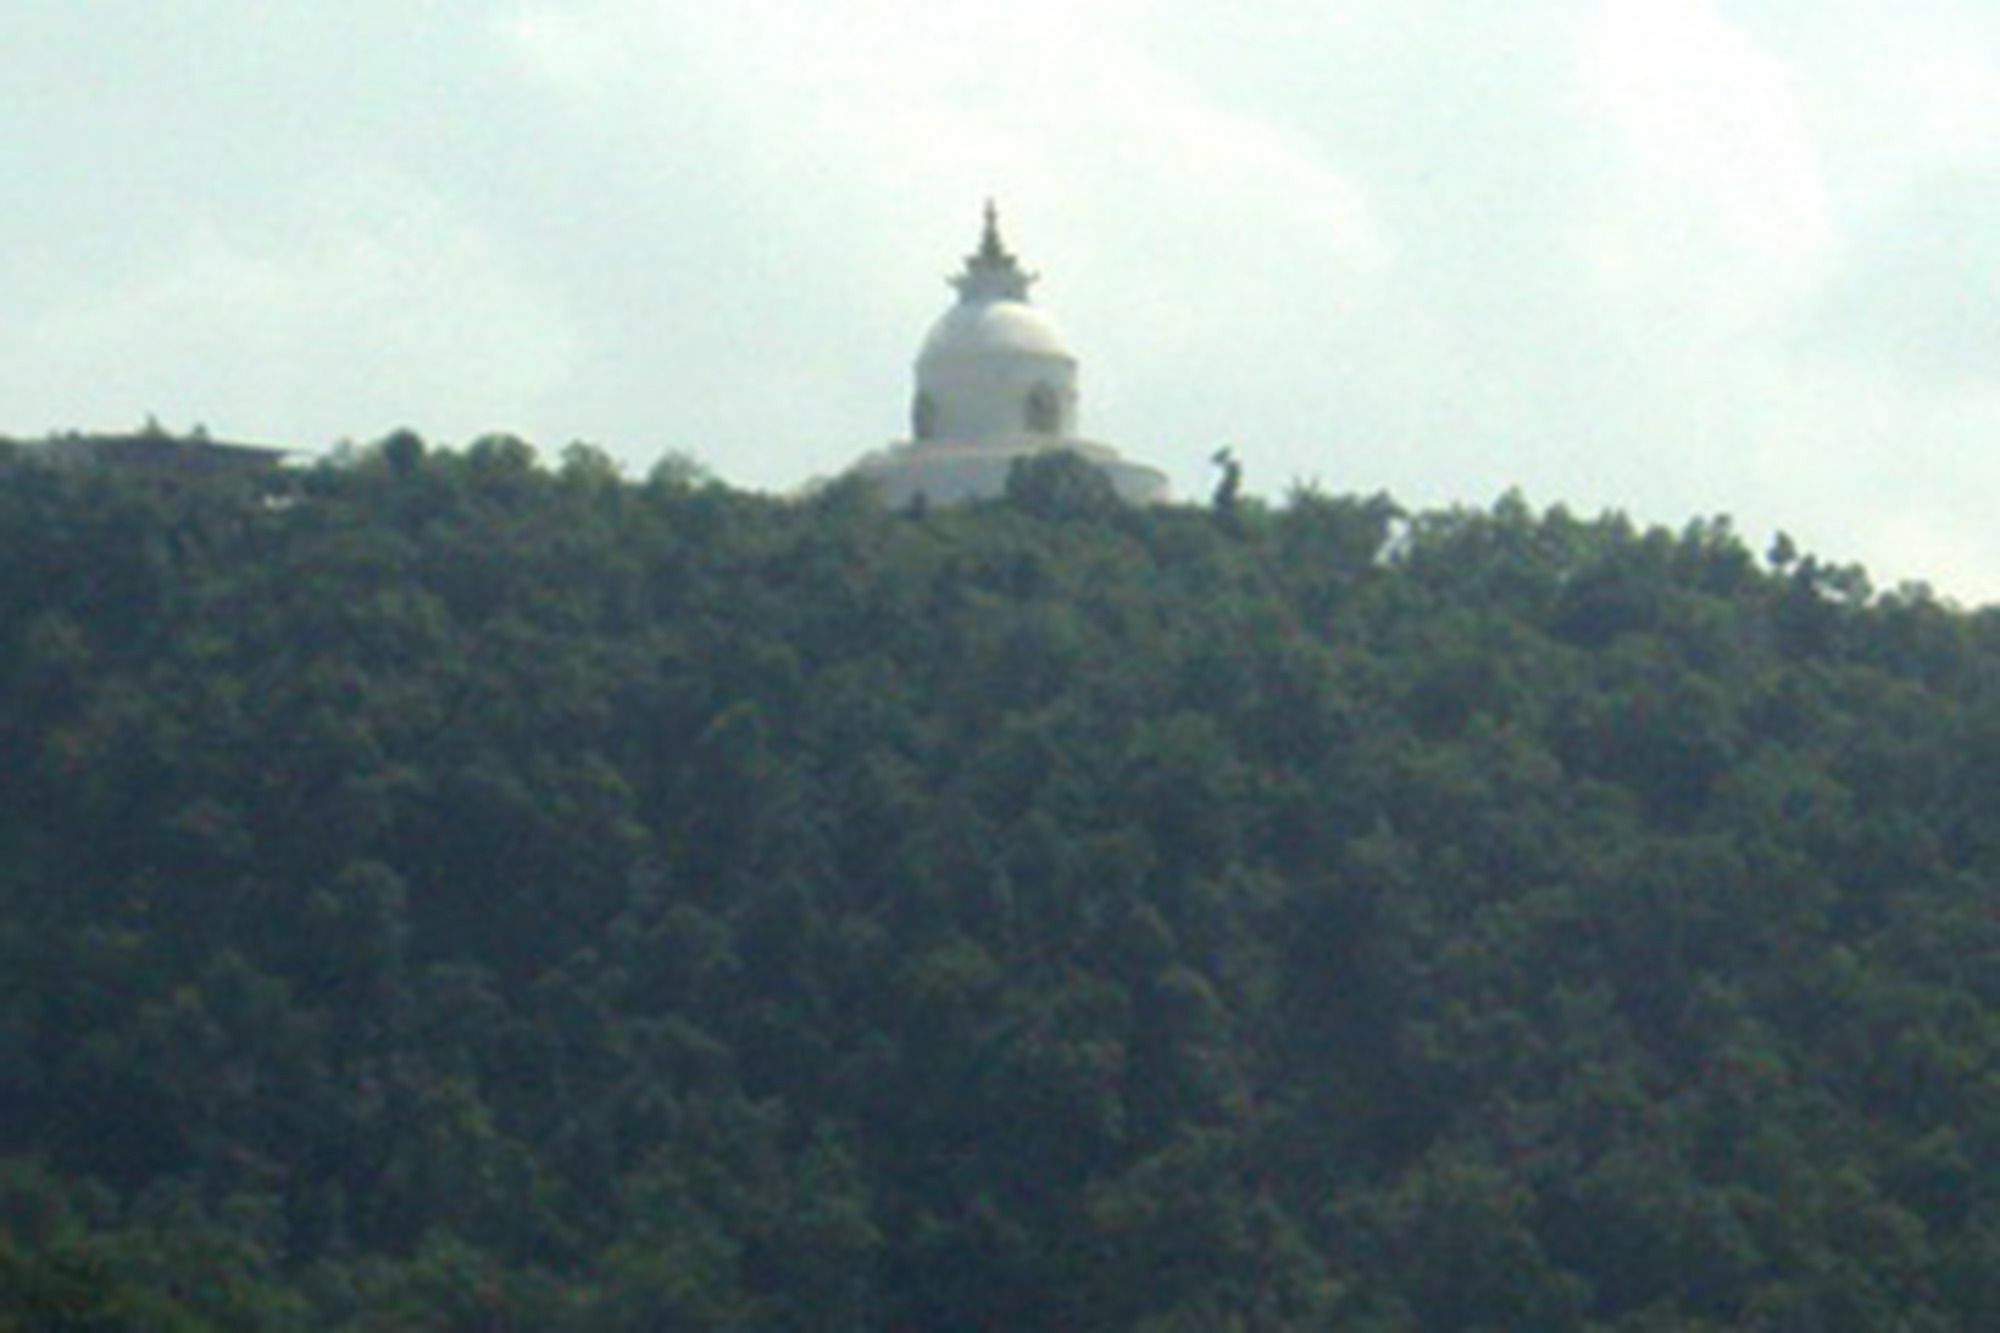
point(1675, 257)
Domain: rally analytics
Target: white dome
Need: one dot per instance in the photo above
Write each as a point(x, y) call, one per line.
point(995, 384)
point(993, 366)
point(995, 328)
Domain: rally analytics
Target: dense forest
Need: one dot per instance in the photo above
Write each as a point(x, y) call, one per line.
point(444, 890)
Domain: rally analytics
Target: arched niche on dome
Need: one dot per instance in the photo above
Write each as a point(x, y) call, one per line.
point(1043, 414)
point(924, 417)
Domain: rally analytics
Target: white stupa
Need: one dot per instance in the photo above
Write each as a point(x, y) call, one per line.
point(995, 383)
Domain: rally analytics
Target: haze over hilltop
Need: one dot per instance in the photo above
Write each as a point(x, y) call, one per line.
point(1669, 256)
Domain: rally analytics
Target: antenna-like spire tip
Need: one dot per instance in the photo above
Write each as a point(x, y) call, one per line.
point(989, 242)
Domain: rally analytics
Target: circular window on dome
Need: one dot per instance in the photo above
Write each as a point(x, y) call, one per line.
point(1044, 412)
point(923, 417)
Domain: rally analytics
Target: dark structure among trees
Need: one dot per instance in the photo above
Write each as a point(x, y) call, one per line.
point(156, 453)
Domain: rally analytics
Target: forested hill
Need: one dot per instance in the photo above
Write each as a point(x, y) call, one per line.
point(443, 891)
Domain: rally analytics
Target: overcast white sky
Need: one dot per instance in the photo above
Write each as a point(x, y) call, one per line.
point(1675, 257)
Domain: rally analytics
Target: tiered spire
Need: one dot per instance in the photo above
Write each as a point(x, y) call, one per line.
point(992, 273)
